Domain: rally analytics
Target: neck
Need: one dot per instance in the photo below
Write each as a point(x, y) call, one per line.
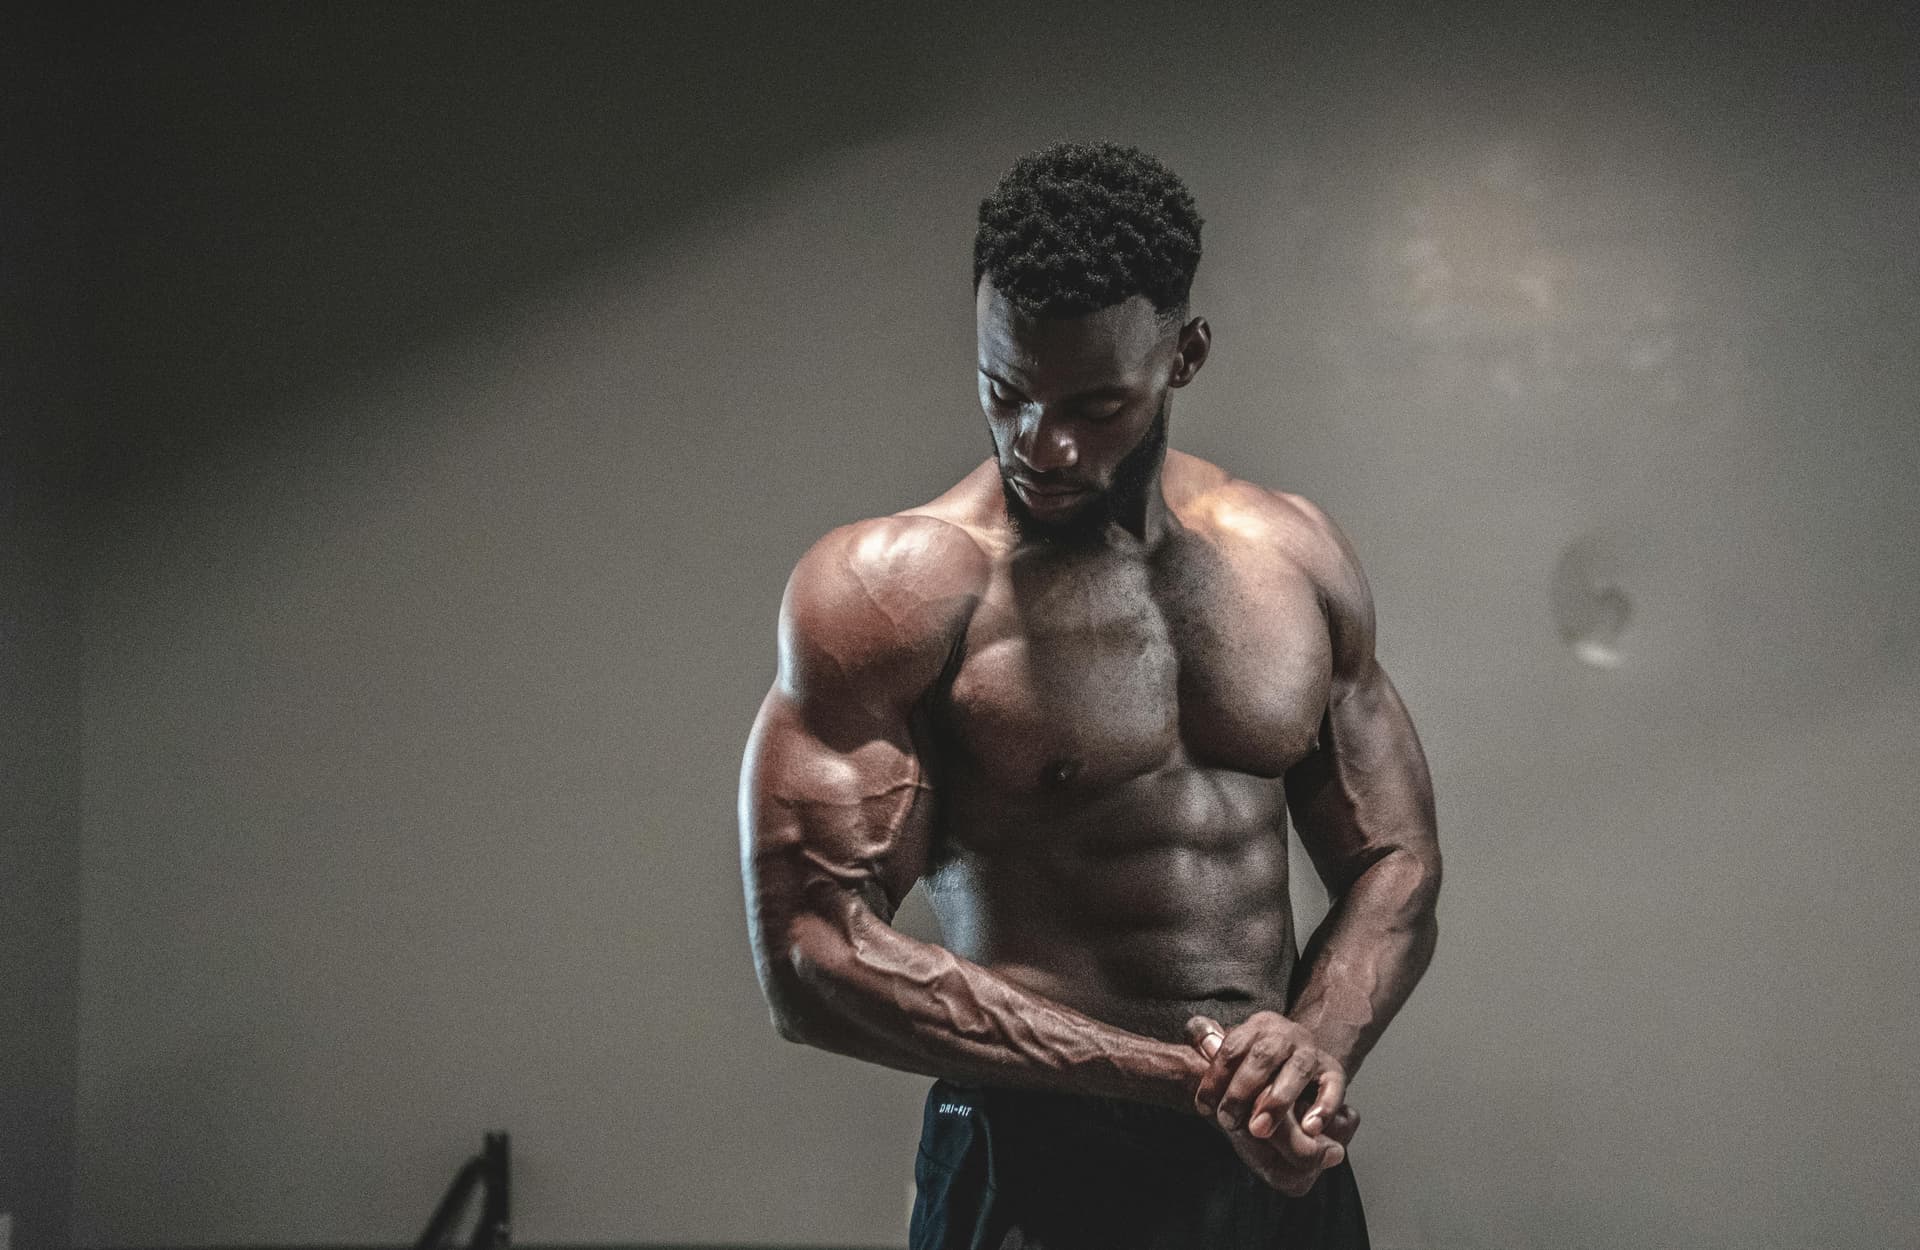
point(1141, 523)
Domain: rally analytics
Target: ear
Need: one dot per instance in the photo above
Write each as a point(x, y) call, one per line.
point(1196, 339)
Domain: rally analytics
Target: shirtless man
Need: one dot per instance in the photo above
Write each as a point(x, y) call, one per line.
point(1076, 697)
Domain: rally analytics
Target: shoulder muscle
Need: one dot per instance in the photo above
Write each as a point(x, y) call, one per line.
point(1329, 559)
point(872, 611)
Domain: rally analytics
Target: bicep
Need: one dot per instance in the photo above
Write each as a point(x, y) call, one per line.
point(836, 810)
point(830, 815)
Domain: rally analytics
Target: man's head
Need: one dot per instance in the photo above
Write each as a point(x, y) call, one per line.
point(1082, 267)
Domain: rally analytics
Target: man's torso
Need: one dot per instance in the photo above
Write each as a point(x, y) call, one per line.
point(1108, 753)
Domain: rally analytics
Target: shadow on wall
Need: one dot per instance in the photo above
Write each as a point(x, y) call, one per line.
point(279, 202)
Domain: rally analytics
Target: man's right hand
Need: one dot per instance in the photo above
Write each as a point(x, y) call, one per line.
point(1286, 1156)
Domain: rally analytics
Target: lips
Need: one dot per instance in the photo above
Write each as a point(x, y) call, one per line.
point(1047, 494)
point(1048, 499)
point(1032, 491)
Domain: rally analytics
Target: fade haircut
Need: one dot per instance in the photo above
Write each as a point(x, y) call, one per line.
point(1077, 227)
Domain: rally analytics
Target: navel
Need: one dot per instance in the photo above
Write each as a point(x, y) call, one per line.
point(1059, 772)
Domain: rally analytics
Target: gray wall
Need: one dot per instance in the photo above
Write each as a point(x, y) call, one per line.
point(40, 656)
point(425, 611)
point(39, 865)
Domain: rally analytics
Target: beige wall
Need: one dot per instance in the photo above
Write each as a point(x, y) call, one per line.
point(413, 709)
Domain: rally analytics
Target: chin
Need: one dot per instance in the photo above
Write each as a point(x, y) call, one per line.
point(1081, 524)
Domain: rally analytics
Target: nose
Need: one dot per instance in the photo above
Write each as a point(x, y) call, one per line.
point(1043, 446)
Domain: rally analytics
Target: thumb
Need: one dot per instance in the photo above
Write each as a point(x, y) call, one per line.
point(1206, 1034)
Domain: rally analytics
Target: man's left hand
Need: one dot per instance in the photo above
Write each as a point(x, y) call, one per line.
point(1260, 1069)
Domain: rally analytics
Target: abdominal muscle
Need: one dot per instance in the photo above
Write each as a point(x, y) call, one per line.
point(1123, 911)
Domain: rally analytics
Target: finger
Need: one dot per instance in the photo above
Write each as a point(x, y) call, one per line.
point(1265, 1057)
point(1295, 1144)
point(1206, 1034)
point(1333, 1095)
point(1342, 1125)
point(1301, 1149)
point(1272, 1167)
point(1289, 1177)
point(1278, 1097)
point(1226, 1061)
point(1208, 1037)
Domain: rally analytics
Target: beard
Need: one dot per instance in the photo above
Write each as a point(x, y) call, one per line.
point(1124, 501)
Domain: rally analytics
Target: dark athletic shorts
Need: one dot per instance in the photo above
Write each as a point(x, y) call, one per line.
point(1003, 1169)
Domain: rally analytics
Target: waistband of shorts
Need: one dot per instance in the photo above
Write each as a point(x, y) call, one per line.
point(1063, 1110)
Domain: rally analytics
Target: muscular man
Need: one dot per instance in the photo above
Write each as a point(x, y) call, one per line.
point(1076, 696)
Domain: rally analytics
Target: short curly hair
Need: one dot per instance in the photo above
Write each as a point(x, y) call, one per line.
point(1076, 227)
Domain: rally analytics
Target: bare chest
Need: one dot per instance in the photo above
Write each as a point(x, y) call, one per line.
point(1079, 675)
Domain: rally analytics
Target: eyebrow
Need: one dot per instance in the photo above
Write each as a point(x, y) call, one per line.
point(1112, 390)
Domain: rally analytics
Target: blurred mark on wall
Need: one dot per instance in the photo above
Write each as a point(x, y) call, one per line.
point(1590, 610)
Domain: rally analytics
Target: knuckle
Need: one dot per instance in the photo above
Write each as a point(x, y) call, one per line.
point(1270, 1048)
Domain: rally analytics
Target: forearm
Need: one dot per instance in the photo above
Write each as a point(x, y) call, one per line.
point(1365, 958)
point(868, 991)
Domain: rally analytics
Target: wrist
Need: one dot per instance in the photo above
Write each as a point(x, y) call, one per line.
point(1341, 1040)
point(1184, 1069)
point(1142, 1070)
point(1165, 1074)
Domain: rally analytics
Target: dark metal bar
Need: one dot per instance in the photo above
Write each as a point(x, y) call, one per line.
point(489, 1171)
